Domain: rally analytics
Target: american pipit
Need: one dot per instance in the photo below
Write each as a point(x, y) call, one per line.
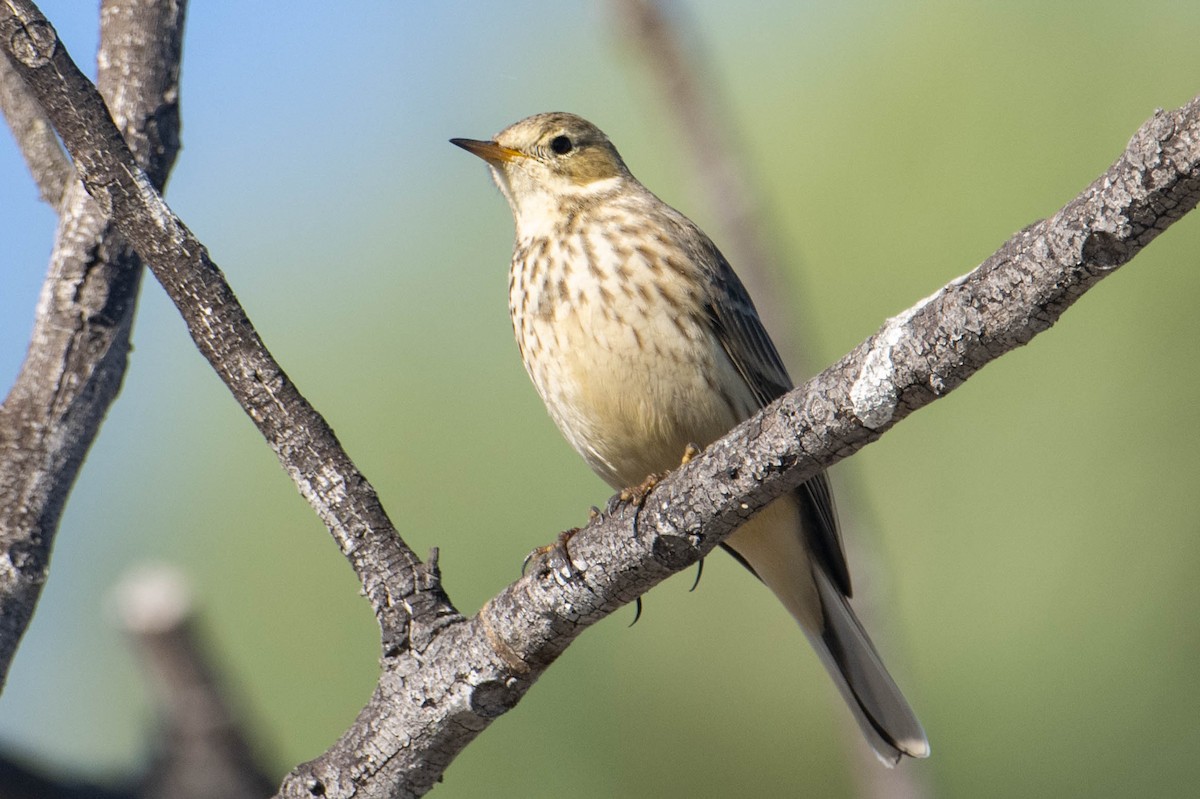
point(641, 340)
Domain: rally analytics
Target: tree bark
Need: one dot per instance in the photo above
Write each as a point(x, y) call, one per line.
point(80, 343)
point(48, 164)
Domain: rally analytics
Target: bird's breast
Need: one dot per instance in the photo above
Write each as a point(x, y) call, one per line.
point(614, 335)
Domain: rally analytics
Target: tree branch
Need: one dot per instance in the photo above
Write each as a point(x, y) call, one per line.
point(202, 750)
point(34, 134)
point(80, 343)
point(301, 438)
point(455, 676)
point(199, 749)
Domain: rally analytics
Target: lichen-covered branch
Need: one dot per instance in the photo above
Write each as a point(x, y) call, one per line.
point(80, 342)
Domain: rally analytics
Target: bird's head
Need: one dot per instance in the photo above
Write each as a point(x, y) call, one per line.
point(547, 160)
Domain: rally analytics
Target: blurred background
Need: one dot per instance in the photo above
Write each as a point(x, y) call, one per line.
point(1026, 548)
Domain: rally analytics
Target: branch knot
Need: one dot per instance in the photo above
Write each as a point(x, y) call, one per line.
point(34, 43)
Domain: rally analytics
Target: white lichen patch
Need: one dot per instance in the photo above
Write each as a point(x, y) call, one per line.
point(874, 394)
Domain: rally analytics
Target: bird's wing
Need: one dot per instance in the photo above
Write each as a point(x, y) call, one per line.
point(753, 354)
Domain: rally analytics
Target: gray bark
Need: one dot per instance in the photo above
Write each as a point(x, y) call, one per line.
point(80, 343)
point(49, 165)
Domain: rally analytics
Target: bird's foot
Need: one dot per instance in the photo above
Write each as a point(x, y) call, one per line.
point(554, 558)
point(637, 494)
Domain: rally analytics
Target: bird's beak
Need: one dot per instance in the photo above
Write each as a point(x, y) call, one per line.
point(489, 151)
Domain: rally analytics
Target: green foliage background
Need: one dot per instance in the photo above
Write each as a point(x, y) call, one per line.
point(1027, 548)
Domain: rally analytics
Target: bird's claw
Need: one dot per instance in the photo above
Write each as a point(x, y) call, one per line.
point(637, 494)
point(554, 558)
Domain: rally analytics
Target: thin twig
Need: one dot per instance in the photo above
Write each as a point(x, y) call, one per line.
point(676, 62)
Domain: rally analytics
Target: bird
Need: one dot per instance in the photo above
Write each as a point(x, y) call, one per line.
point(643, 342)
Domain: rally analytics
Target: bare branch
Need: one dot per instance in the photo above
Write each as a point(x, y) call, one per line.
point(199, 749)
point(77, 355)
point(202, 749)
point(141, 51)
point(301, 438)
point(49, 165)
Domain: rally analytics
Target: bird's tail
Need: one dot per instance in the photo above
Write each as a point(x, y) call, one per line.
point(772, 546)
point(882, 712)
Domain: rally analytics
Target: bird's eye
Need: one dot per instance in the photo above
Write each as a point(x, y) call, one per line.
point(561, 145)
